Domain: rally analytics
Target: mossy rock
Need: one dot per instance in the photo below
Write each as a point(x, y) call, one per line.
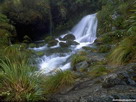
point(77, 59)
point(86, 48)
point(68, 37)
point(48, 39)
point(41, 44)
point(71, 42)
point(40, 54)
point(104, 48)
point(98, 71)
point(62, 44)
point(52, 43)
point(32, 45)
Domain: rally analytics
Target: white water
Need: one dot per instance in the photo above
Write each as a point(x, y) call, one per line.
point(85, 33)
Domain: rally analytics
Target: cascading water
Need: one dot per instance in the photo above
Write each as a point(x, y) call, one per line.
point(85, 33)
point(85, 30)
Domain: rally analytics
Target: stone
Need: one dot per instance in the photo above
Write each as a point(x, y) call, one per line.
point(70, 42)
point(52, 43)
point(32, 45)
point(111, 81)
point(62, 44)
point(80, 65)
point(69, 37)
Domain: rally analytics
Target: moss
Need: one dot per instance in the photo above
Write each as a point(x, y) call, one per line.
point(104, 48)
point(32, 45)
point(77, 59)
point(98, 71)
point(40, 54)
point(48, 39)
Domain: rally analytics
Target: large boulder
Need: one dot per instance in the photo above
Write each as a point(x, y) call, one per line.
point(48, 39)
point(122, 78)
point(62, 44)
point(82, 65)
point(68, 37)
point(71, 42)
point(52, 43)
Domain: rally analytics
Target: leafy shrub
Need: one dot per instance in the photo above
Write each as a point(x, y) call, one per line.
point(125, 52)
point(19, 81)
point(59, 81)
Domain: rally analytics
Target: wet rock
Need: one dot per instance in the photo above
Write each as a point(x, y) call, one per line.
point(69, 37)
point(48, 39)
point(81, 65)
point(64, 45)
point(41, 44)
point(52, 43)
point(71, 42)
point(32, 45)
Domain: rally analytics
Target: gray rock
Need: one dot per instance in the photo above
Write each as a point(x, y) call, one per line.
point(80, 65)
point(111, 81)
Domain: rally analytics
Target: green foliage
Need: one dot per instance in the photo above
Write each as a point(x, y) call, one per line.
point(132, 21)
point(3, 18)
point(104, 48)
point(77, 58)
point(19, 83)
point(7, 31)
point(59, 81)
point(125, 52)
point(114, 15)
point(17, 54)
point(98, 71)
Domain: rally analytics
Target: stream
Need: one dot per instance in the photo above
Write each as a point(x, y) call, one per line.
point(59, 58)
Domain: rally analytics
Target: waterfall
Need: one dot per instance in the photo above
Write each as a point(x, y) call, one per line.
point(85, 33)
point(85, 30)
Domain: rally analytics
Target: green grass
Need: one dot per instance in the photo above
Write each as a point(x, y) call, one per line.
point(98, 71)
point(77, 58)
point(60, 80)
point(104, 48)
point(125, 52)
point(17, 54)
point(19, 83)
